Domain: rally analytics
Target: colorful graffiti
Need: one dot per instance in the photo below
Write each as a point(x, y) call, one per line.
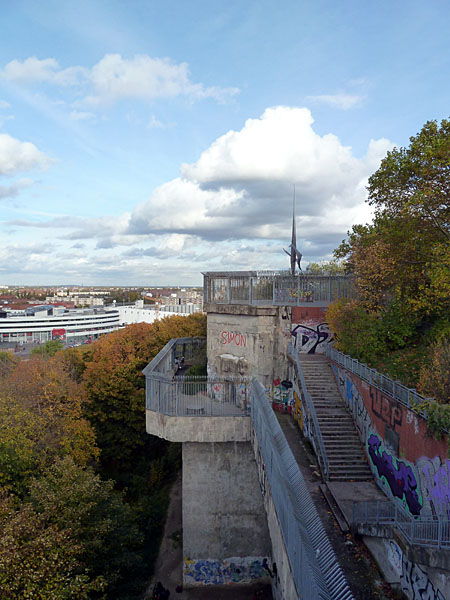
point(230, 570)
point(278, 394)
point(309, 340)
point(233, 337)
point(355, 404)
point(435, 484)
point(400, 477)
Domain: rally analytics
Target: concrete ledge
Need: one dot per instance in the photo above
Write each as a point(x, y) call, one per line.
point(198, 429)
point(241, 309)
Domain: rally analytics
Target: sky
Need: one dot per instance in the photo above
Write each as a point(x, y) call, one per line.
point(145, 142)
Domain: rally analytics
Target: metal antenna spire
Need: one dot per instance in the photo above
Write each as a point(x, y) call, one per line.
point(295, 255)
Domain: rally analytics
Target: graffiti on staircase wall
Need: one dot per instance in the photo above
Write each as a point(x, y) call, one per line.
point(354, 402)
point(397, 476)
point(414, 581)
point(434, 475)
point(311, 339)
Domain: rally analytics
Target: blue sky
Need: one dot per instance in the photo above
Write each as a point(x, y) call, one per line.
point(144, 142)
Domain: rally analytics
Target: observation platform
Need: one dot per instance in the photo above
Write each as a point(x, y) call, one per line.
point(194, 409)
point(275, 288)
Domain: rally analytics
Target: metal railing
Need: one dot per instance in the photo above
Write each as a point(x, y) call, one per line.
point(424, 532)
point(407, 396)
point(180, 396)
point(198, 396)
point(313, 433)
point(314, 565)
point(277, 288)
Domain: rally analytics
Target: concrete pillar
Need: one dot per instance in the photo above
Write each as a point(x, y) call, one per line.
point(225, 533)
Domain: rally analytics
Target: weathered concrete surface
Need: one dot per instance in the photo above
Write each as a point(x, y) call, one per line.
point(198, 429)
point(248, 340)
point(169, 566)
point(223, 512)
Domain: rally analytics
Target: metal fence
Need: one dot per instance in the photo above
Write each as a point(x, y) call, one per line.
point(198, 396)
point(313, 433)
point(424, 532)
point(407, 396)
point(314, 565)
point(181, 396)
point(278, 288)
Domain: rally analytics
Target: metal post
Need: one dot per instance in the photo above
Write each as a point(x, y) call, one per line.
point(250, 290)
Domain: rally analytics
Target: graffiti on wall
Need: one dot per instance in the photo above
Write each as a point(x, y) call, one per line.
point(279, 394)
point(415, 582)
point(398, 476)
point(385, 408)
point(311, 339)
point(434, 477)
point(235, 338)
point(229, 570)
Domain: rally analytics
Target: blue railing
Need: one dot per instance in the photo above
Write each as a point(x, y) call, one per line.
point(424, 532)
point(314, 432)
point(314, 565)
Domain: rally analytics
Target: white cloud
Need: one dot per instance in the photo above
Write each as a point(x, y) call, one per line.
point(233, 206)
point(342, 101)
point(115, 78)
point(77, 115)
point(34, 70)
point(4, 104)
point(19, 156)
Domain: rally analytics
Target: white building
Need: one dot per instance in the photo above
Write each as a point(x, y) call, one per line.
point(140, 313)
point(44, 323)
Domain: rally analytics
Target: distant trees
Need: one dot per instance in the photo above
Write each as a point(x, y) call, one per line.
point(401, 262)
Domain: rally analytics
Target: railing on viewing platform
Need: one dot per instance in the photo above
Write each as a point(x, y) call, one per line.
point(277, 288)
point(170, 393)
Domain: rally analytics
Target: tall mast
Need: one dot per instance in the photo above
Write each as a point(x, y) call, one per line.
point(294, 237)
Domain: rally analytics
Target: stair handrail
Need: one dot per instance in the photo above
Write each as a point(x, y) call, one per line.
point(317, 439)
point(428, 532)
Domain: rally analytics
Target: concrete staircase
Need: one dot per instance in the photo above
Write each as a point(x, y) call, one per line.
point(346, 458)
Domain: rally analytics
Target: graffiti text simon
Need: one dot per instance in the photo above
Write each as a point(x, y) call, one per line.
point(233, 337)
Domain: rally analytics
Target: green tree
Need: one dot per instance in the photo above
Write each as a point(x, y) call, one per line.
point(48, 349)
point(39, 561)
point(401, 262)
point(101, 523)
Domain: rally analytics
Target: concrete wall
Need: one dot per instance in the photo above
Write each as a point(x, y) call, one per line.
point(248, 340)
point(310, 331)
point(198, 429)
point(225, 535)
point(410, 465)
point(415, 580)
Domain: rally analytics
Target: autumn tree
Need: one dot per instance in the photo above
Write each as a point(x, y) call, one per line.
point(401, 262)
point(116, 386)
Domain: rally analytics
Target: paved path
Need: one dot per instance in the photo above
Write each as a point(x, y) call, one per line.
point(169, 565)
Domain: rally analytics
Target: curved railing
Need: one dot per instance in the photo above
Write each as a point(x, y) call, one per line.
point(180, 396)
point(315, 434)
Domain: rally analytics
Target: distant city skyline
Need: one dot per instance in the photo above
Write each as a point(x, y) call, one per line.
point(142, 143)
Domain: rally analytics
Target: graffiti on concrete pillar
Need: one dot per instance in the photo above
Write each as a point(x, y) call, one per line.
point(310, 340)
point(229, 570)
point(414, 581)
point(235, 338)
point(399, 477)
point(416, 584)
